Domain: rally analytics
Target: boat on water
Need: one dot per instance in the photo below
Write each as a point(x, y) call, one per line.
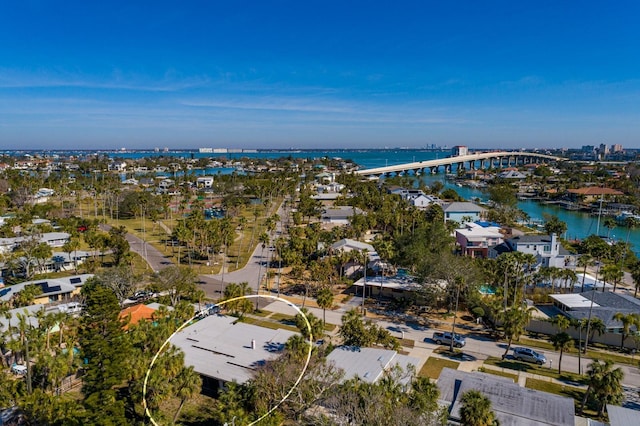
point(625, 216)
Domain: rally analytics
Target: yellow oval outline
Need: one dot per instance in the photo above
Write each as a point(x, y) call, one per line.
point(222, 303)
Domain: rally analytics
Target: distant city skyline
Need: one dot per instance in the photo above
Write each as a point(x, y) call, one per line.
point(304, 75)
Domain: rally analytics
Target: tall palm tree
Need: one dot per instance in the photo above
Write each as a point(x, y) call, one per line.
point(561, 342)
point(324, 300)
point(628, 321)
point(476, 409)
point(186, 385)
point(584, 261)
point(612, 273)
point(635, 275)
point(515, 320)
point(569, 276)
point(609, 223)
point(605, 383)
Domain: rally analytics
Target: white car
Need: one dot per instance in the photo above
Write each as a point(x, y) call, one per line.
point(19, 369)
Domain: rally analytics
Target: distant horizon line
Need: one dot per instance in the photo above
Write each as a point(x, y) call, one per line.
point(249, 150)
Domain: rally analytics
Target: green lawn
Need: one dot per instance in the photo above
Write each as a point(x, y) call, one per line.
point(279, 317)
point(433, 367)
point(533, 369)
point(563, 390)
point(500, 373)
point(268, 324)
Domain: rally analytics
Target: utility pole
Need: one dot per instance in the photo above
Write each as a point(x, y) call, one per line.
point(586, 340)
point(455, 313)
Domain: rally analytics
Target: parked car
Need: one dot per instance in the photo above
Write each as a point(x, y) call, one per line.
point(18, 369)
point(529, 355)
point(444, 338)
point(141, 295)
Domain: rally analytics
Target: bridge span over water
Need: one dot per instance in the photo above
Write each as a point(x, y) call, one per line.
point(483, 160)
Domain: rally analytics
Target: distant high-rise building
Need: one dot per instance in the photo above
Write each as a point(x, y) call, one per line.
point(588, 148)
point(604, 149)
point(616, 148)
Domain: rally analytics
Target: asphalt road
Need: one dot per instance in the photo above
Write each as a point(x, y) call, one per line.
point(479, 346)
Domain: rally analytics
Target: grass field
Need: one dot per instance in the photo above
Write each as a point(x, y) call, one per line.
point(533, 369)
point(500, 373)
point(563, 390)
point(433, 367)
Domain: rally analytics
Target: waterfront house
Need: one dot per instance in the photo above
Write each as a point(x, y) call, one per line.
point(512, 175)
point(546, 248)
point(463, 212)
point(591, 194)
point(475, 238)
point(117, 166)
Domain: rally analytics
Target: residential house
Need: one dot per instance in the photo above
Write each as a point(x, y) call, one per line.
point(370, 364)
point(463, 212)
point(512, 175)
point(590, 194)
point(348, 245)
point(546, 248)
point(603, 305)
point(134, 314)
point(117, 166)
point(339, 215)
point(53, 289)
point(475, 238)
point(222, 350)
point(512, 404)
point(204, 182)
point(393, 287)
point(53, 239)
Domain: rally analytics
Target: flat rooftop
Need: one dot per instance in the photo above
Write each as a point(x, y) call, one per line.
point(369, 364)
point(405, 283)
point(573, 301)
point(218, 347)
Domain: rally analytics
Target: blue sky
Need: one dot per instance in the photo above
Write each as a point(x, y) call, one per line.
point(318, 74)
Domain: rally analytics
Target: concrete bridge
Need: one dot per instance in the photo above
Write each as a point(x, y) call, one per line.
point(481, 160)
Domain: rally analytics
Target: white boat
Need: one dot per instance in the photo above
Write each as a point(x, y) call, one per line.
point(624, 216)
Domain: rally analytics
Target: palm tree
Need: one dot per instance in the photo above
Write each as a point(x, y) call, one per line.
point(476, 410)
point(242, 223)
point(609, 223)
point(584, 261)
point(635, 275)
point(561, 342)
point(514, 321)
point(569, 276)
point(561, 322)
point(612, 273)
point(595, 325)
point(186, 385)
point(324, 300)
point(627, 320)
point(605, 383)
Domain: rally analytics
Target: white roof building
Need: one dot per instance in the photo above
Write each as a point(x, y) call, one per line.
point(223, 350)
point(370, 364)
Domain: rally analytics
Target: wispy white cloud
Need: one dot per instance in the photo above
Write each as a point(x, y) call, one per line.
point(171, 82)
